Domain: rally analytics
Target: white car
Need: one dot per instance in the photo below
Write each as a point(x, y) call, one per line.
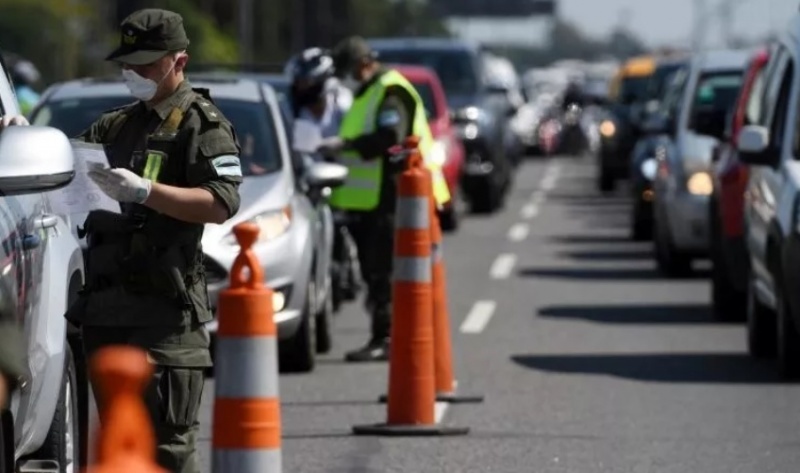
point(41, 272)
point(691, 127)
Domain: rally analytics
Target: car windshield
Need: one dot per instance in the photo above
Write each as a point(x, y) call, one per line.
point(659, 80)
point(454, 67)
point(633, 89)
point(716, 93)
point(253, 123)
point(426, 93)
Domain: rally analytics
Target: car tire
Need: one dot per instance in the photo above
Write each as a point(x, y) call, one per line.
point(487, 201)
point(324, 325)
point(761, 325)
point(6, 441)
point(669, 261)
point(449, 218)
point(298, 353)
point(63, 442)
point(641, 229)
point(605, 180)
point(788, 346)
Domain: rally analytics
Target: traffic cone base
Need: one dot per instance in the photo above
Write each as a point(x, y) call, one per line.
point(452, 397)
point(387, 430)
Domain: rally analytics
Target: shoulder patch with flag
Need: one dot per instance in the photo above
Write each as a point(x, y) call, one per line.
point(227, 165)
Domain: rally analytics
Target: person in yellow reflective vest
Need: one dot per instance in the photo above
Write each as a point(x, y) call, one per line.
point(386, 109)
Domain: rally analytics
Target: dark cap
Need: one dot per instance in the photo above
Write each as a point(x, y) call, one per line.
point(148, 35)
point(349, 51)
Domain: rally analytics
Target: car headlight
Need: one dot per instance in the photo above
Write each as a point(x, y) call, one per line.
point(607, 128)
point(270, 225)
point(469, 114)
point(700, 183)
point(468, 131)
point(649, 167)
point(438, 153)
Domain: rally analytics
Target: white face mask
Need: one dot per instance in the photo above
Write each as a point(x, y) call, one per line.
point(141, 87)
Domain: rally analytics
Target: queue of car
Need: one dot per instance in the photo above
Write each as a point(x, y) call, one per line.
point(714, 173)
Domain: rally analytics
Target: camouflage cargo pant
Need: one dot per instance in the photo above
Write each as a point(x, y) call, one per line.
point(180, 355)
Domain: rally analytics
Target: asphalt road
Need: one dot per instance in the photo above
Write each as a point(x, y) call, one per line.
point(589, 361)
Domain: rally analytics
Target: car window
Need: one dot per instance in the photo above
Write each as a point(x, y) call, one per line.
point(633, 89)
point(755, 99)
point(674, 93)
point(716, 93)
point(455, 68)
point(426, 94)
point(252, 121)
point(657, 85)
point(774, 79)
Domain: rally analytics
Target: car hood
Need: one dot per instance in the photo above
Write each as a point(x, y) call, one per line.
point(258, 194)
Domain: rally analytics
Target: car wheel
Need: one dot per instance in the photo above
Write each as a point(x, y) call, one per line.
point(62, 443)
point(788, 340)
point(449, 218)
point(486, 201)
point(728, 303)
point(324, 326)
point(6, 441)
point(669, 261)
point(641, 228)
point(761, 325)
point(298, 353)
point(605, 180)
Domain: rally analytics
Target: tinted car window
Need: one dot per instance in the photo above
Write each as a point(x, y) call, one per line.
point(426, 93)
point(716, 92)
point(660, 79)
point(454, 68)
point(633, 89)
point(252, 121)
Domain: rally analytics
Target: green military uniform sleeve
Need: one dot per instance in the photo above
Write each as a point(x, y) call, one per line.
point(213, 152)
point(12, 356)
point(99, 129)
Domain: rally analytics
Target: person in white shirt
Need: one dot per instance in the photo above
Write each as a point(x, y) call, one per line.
point(317, 97)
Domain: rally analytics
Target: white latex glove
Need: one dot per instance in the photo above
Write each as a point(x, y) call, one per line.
point(121, 184)
point(13, 120)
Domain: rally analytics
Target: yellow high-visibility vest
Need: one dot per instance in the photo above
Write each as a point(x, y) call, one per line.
point(361, 190)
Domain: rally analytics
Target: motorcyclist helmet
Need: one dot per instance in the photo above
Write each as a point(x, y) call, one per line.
point(310, 72)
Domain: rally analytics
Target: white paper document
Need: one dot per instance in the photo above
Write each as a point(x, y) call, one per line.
point(307, 136)
point(82, 195)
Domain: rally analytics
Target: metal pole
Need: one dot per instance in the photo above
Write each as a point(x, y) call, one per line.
point(245, 20)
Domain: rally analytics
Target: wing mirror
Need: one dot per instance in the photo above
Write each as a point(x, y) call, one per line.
point(321, 175)
point(34, 159)
point(754, 147)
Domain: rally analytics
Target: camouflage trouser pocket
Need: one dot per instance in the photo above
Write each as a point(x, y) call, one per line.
point(173, 397)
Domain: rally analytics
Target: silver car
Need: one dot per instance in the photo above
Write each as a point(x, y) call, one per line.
point(690, 127)
point(41, 272)
point(283, 193)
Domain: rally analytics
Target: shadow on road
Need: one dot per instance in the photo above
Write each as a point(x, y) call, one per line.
point(627, 274)
point(635, 254)
point(731, 368)
point(633, 314)
point(362, 402)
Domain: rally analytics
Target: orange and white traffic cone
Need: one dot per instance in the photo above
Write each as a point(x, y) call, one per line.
point(247, 420)
point(411, 395)
point(446, 385)
point(126, 443)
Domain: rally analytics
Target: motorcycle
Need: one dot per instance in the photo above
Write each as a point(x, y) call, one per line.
point(573, 137)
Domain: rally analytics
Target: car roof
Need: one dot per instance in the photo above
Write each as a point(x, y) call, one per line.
point(423, 43)
point(638, 66)
point(723, 59)
point(230, 88)
point(414, 72)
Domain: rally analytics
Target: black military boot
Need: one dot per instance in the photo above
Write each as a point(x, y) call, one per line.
point(377, 349)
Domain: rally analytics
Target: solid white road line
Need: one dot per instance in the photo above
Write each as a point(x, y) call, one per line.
point(502, 266)
point(439, 410)
point(518, 232)
point(529, 211)
point(478, 317)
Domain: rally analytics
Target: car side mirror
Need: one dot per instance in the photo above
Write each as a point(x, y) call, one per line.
point(321, 175)
point(754, 147)
point(34, 159)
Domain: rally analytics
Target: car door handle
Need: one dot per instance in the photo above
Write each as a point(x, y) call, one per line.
point(48, 221)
